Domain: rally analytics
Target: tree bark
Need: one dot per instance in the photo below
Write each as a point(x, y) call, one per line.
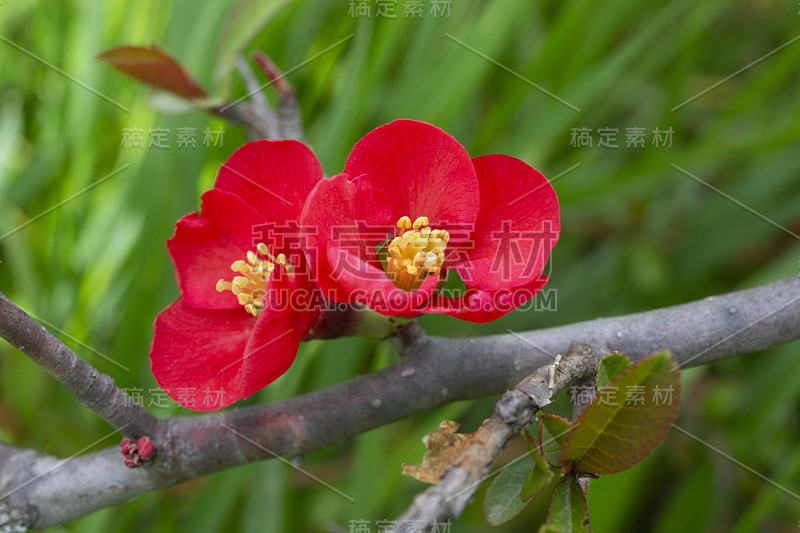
point(433, 371)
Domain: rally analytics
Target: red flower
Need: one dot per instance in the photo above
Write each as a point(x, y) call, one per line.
point(410, 206)
point(233, 330)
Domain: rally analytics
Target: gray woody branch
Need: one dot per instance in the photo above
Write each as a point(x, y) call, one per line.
point(94, 390)
point(434, 371)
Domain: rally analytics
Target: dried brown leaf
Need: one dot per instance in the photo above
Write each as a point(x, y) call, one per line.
point(444, 448)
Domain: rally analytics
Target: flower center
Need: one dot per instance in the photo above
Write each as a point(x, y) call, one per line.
point(251, 285)
point(419, 251)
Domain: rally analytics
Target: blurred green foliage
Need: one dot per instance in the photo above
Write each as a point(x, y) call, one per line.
point(637, 234)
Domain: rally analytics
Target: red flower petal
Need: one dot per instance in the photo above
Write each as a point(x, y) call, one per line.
point(204, 247)
point(349, 213)
point(273, 344)
point(196, 354)
point(480, 305)
point(422, 169)
point(517, 226)
point(372, 287)
point(274, 177)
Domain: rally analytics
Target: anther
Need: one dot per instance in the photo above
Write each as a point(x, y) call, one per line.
point(415, 253)
point(249, 288)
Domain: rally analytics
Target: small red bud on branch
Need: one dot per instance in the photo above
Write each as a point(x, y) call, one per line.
point(134, 453)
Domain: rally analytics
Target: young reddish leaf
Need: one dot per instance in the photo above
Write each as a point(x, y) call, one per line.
point(552, 431)
point(628, 419)
point(154, 67)
point(538, 478)
point(502, 501)
point(568, 510)
point(610, 367)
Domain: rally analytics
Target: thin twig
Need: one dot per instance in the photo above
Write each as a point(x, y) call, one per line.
point(243, 113)
point(290, 120)
point(267, 126)
point(579, 404)
point(514, 412)
point(93, 389)
point(259, 119)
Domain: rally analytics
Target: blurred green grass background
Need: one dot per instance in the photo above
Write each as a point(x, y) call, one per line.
point(637, 234)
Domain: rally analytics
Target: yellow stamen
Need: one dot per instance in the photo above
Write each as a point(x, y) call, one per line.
point(415, 253)
point(250, 286)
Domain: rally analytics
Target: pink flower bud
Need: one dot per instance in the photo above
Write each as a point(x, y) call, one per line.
point(127, 446)
point(146, 448)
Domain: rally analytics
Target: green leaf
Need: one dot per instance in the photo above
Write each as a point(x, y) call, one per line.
point(538, 478)
point(568, 510)
point(550, 528)
point(246, 19)
point(628, 419)
point(154, 67)
point(552, 432)
point(610, 367)
point(530, 442)
point(502, 501)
